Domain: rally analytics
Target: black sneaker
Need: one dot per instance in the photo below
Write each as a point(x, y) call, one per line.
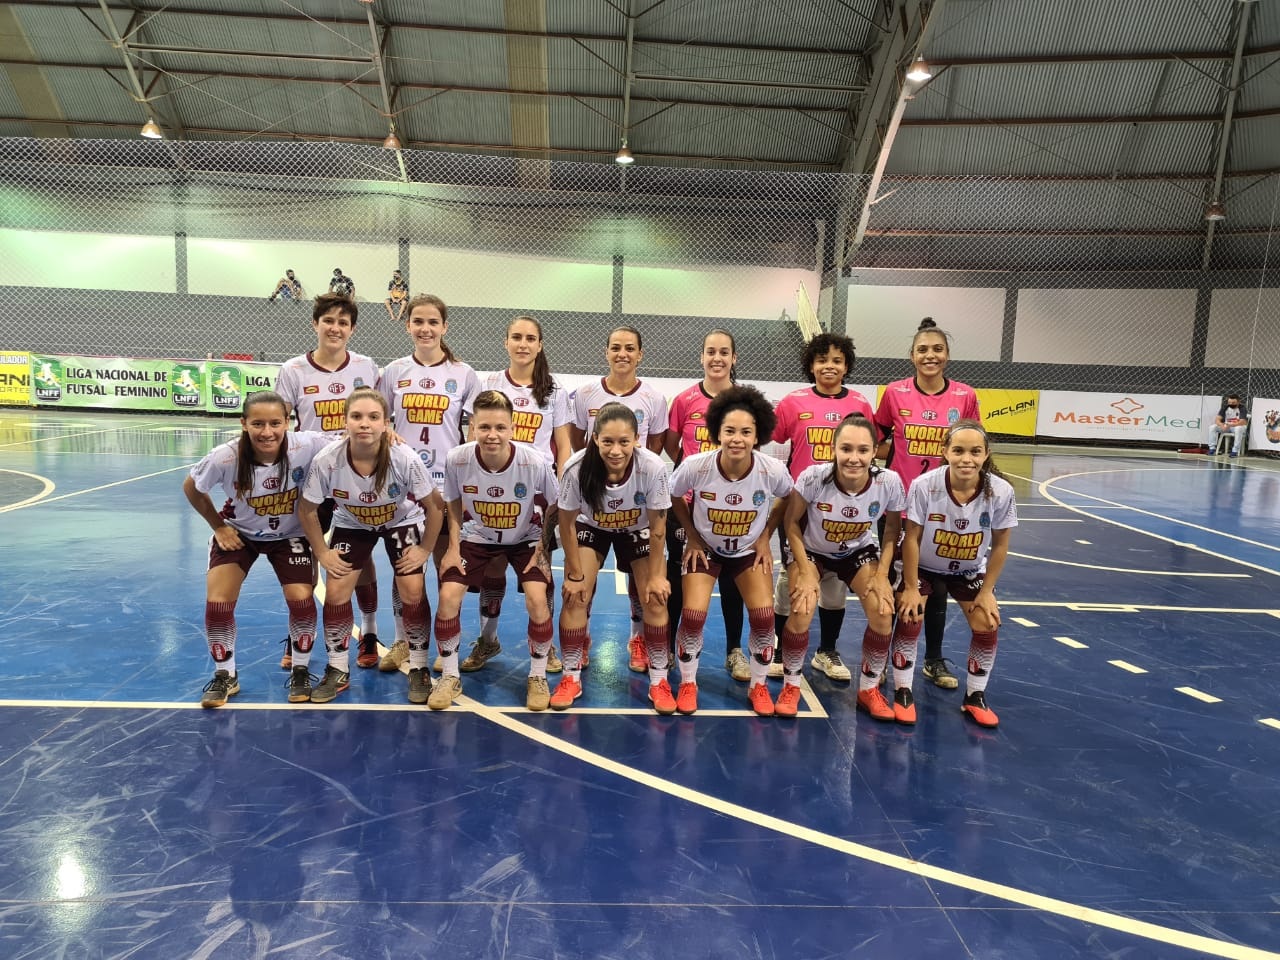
point(976, 709)
point(419, 685)
point(936, 671)
point(904, 706)
point(217, 690)
point(334, 682)
point(367, 653)
point(300, 679)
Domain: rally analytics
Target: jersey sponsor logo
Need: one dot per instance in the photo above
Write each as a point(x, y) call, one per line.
point(373, 516)
point(497, 516)
point(401, 384)
point(937, 518)
point(494, 491)
point(733, 499)
point(821, 441)
point(844, 531)
point(271, 483)
point(616, 519)
point(614, 504)
point(730, 523)
point(758, 497)
point(961, 522)
point(274, 504)
point(311, 389)
point(332, 414)
point(470, 488)
point(849, 512)
point(593, 411)
point(696, 415)
point(903, 413)
point(707, 495)
point(425, 408)
point(521, 491)
point(956, 546)
point(426, 383)
point(525, 426)
point(824, 507)
point(805, 416)
point(924, 441)
point(336, 388)
point(341, 495)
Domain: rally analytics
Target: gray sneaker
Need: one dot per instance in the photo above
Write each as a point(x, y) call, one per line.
point(419, 685)
point(538, 696)
point(936, 671)
point(332, 684)
point(393, 658)
point(217, 690)
point(831, 665)
point(482, 651)
point(553, 661)
point(445, 690)
point(736, 665)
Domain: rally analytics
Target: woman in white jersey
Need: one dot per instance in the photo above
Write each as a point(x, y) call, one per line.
point(831, 528)
point(427, 393)
point(624, 350)
point(729, 500)
point(957, 538)
point(914, 415)
point(261, 474)
point(541, 419)
point(380, 493)
point(614, 496)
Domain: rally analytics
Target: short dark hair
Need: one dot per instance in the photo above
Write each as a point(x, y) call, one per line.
point(327, 301)
point(742, 398)
point(825, 343)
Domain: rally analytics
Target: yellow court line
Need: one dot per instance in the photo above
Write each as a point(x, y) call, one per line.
point(1126, 666)
point(47, 489)
point(1198, 695)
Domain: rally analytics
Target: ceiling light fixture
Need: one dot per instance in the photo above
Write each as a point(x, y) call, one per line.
point(392, 142)
point(624, 156)
point(919, 71)
point(1215, 212)
point(151, 130)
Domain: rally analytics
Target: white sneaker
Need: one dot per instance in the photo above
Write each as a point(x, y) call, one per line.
point(831, 665)
point(736, 665)
point(775, 669)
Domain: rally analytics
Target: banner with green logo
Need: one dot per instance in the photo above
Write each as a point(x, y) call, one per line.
point(230, 381)
point(117, 383)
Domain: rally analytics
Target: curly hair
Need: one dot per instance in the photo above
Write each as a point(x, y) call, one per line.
point(825, 343)
point(742, 398)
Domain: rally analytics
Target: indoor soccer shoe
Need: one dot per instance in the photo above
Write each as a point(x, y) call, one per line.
point(737, 666)
point(419, 685)
point(638, 655)
point(537, 694)
point(332, 684)
point(760, 700)
point(660, 697)
point(393, 658)
point(873, 702)
point(788, 704)
point(567, 691)
point(482, 651)
point(300, 681)
point(937, 672)
point(687, 698)
point(975, 707)
point(554, 663)
point(831, 664)
point(217, 690)
point(445, 690)
point(368, 653)
point(904, 706)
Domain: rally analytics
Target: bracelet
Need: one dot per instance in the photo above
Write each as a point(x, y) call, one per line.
point(576, 579)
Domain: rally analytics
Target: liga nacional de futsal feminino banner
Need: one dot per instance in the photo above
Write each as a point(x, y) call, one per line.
point(128, 383)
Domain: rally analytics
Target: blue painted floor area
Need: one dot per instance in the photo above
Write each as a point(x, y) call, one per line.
point(367, 828)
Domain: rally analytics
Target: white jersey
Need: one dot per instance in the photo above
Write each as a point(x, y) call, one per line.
point(957, 539)
point(533, 424)
point(838, 523)
point(500, 506)
point(427, 403)
point(357, 506)
point(269, 511)
point(649, 406)
point(643, 488)
point(319, 397)
point(730, 515)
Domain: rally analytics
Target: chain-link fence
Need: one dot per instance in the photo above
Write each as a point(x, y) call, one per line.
point(173, 249)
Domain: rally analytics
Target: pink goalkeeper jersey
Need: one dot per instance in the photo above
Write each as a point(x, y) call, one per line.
point(808, 420)
point(688, 420)
point(918, 423)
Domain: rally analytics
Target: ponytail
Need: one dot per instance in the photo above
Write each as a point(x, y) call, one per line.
point(244, 450)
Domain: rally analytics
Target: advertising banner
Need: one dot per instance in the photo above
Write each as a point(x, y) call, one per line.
point(15, 378)
point(1109, 417)
point(118, 383)
point(1010, 412)
point(1264, 424)
point(230, 381)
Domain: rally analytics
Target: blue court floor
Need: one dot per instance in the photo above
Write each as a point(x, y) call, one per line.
point(1126, 806)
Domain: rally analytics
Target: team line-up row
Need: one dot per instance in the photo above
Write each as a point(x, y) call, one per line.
point(379, 456)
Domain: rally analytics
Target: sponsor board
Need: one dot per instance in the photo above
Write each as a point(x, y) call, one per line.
point(15, 378)
point(1162, 418)
point(1009, 412)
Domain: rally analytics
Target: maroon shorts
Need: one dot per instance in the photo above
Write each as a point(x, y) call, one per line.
point(476, 557)
point(732, 567)
point(964, 589)
point(627, 545)
point(290, 558)
point(356, 545)
point(847, 567)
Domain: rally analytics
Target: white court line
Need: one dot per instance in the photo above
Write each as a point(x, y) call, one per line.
point(1198, 695)
point(1132, 607)
point(1125, 665)
point(1022, 519)
point(104, 486)
point(1145, 573)
point(47, 489)
point(1271, 722)
point(1073, 644)
point(58, 436)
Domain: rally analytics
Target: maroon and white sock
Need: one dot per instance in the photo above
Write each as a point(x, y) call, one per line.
point(302, 629)
point(573, 643)
point(794, 645)
point(689, 643)
point(760, 642)
point(448, 633)
point(906, 639)
point(337, 634)
point(875, 650)
point(417, 619)
point(982, 657)
point(492, 590)
point(540, 637)
point(220, 628)
point(367, 601)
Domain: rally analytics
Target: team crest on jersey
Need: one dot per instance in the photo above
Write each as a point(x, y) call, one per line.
point(952, 415)
point(494, 491)
point(368, 497)
point(937, 518)
point(271, 483)
point(520, 402)
point(733, 499)
point(849, 512)
point(641, 499)
point(824, 507)
point(961, 522)
point(639, 417)
point(470, 488)
point(393, 491)
point(298, 474)
point(615, 504)
point(805, 416)
point(451, 386)
point(758, 497)
point(337, 388)
point(428, 458)
point(359, 382)
point(707, 495)
point(426, 383)
point(984, 521)
point(833, 417)
point(401, 384)
point(521, 491)
point(341, 495)
point(311, 389)
point(929, 415)
point(873, 511)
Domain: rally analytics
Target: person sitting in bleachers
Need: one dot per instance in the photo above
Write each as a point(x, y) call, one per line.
point(1232, 418)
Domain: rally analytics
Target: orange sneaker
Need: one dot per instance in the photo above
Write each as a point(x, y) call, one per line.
point(761, 702)
point(687, 698)
point(663, 702)
point(873, 702)
point(639, 655)
point(975, 706)
point(567, 691)
point(788, 704)
point(368, 651)
point(904, 706)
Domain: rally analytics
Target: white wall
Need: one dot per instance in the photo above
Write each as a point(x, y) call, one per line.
point(1077, 326)
point(1243, 330)
point(528, 284)
point(86, 261)
point(250, 268)
point(754, 293)
point(882, 320)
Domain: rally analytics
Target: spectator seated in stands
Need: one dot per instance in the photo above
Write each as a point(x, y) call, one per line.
point(287, 288)
point(1232, 418)
point(342, 284)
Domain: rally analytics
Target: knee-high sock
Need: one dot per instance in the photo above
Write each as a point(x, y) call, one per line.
point(492, 590)
point(982, 657)
point(573, 643)
point(540, 636)
point(220, 628)
point(417, 620)
point(397, 612)
point(337, 634)
point(935, 622)
point(760, 642)
point(689, 643)
point(875, 649)
point(656, 645)
point(448, 633)
point(302, 629)
point(906, 638)
point(794, 645)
